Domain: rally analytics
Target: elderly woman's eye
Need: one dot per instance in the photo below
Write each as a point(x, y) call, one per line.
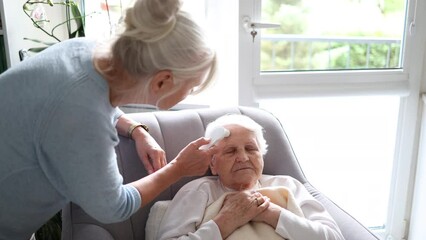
point(251, 148)
point(229, 151)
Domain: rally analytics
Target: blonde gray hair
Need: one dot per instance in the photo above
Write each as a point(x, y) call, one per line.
point(157, 36)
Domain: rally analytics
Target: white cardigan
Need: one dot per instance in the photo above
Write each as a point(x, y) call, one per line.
point(185, 212)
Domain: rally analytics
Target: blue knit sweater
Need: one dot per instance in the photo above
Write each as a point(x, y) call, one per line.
point(57, 139)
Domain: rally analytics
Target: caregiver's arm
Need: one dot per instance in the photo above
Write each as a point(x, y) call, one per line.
point(189, 162)
point(151, 154)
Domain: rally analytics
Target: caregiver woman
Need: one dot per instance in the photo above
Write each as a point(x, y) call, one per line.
point(59, 119)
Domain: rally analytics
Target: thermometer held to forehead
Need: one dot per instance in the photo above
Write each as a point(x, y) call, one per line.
point(216, 135)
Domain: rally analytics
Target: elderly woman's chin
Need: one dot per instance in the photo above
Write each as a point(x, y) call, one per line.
point(244, 180)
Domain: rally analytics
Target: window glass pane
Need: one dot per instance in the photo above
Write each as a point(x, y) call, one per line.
point(345, 146)
point(332, 34)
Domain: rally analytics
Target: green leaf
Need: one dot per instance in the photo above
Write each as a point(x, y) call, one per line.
point(36, 50)
point(39, 41)
point(79, 20)
point(72, 35)
point(26, 6)
point(51, 230)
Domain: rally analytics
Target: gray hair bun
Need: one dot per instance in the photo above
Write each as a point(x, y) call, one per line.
point(151, 20)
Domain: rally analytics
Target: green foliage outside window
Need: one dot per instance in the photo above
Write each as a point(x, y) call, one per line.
point(293, 15)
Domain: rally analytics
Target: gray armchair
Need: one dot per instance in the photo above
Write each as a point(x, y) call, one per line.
point(175, 129)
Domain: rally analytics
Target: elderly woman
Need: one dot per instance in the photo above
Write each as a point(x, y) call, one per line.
point(241, 203)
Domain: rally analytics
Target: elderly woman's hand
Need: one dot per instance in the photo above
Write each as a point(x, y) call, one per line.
point(270, 216)
point(238, 209)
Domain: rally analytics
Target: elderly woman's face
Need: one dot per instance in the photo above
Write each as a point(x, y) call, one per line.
point(239, 163)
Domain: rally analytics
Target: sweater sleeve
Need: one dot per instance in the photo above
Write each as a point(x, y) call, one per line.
point(189, 205)
point(117, 114)
point(77, 155)
point(317, 223)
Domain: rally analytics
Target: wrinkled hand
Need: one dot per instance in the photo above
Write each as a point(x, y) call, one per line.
point(238, 209)
point(270, 215)
point(151, 154)
point(191, 161)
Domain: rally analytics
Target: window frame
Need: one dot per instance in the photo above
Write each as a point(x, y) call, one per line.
point(317, 83)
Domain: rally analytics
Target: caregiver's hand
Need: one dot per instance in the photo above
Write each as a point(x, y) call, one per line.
point(151, 154)
point(191, 161)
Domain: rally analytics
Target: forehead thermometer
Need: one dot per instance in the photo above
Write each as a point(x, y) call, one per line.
point(216, 135)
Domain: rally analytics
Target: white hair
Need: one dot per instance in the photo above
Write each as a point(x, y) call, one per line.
point(243, 121)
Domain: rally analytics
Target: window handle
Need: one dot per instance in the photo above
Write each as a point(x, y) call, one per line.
point(252, 27)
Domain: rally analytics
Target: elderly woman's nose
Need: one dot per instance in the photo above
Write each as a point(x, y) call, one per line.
point(242, 156)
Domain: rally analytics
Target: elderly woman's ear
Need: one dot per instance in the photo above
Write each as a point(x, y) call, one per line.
point(213, 165)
